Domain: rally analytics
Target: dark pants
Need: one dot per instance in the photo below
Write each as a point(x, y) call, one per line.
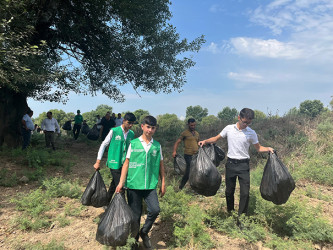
point(76, 130)
point(134, 197)
point(26, 134)
point(188, 159)
point(115, 181)
point(242, 171)
point(49, 139)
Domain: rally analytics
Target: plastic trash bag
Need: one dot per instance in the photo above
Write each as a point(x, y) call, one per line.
point(205, 179)
point(85, 129)
point(95, 194)
point(276, 183)
point(215, 153)
point(117, 223)
point(67, 125)
point(93, 134)
point(179, 164)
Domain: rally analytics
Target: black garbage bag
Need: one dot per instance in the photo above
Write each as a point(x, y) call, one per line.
point(215, 153)
point(220, 155)
point(276, 183)
point(95, 194)
point(85, 129)
point(117, 224)
point(205, 179)
point(67, 125)
point(179, 164)
point(93, 133)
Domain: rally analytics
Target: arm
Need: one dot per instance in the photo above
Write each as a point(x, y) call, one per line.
point(101, 150)
point(175, 148)
point(123, 176)
point(24, 124)
point(262, 149)
point(210, 140)
point(162, 176)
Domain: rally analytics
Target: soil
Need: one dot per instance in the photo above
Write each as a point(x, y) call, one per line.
point(80, 233)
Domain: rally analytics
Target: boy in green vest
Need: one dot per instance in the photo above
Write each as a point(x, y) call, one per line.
point(140, 172)
point(119, 139)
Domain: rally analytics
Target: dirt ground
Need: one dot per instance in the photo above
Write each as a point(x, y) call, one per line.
point(80, 233)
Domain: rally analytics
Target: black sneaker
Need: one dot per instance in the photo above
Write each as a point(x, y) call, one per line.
point(145, 238)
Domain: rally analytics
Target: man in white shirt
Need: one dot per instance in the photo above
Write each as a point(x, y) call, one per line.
point(49, 127)
point(27, 127)
point(239, 137)
point(119, 120)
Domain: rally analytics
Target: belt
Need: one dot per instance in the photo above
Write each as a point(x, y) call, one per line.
point(236, 161)
point(50, 131)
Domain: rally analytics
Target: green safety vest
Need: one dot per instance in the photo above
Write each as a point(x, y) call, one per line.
point(144, 168)
point(118, 147)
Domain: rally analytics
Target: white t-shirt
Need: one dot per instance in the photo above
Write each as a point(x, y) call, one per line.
point(107, 141)
point(119, 121)
point(239, 141)
point(50, 125)
point(145, 146)
point(28, 122)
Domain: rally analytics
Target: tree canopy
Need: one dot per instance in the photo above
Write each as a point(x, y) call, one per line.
point(49, 48)
point(197, 112)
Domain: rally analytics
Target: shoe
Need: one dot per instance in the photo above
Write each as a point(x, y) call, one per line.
point(145, 238)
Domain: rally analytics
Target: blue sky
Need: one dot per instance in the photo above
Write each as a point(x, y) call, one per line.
point(265, 55)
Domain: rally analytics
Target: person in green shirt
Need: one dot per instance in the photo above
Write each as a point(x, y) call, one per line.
point(78, 119)
point(141, 170)
point(119, 139)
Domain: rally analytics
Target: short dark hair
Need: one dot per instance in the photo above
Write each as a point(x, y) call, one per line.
point(29, 111)
point(49, 113)
point(149, 120)
point(247, 113)
point(191, 120)
point(130, 117)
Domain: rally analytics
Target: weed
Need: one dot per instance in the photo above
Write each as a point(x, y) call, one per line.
point(52, 245)
point(57, 187)
point(63, 221)
point(7, 180)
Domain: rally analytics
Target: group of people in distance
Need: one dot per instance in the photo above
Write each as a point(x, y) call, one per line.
point(50, 127)
point(137, 164)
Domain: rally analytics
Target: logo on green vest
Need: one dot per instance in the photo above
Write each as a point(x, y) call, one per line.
point(118, 138)
point(154, 152)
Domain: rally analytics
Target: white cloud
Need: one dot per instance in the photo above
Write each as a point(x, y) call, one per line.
point(270, 48)
point(213, 48)
point(249, 77)
point(215, 8)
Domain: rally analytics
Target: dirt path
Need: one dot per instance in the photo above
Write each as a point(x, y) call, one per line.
point(80, 233)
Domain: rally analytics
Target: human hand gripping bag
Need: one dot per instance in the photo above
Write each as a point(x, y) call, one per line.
point(179, 164)
point(205, 179)
point(117, 224)
point(95, 194)
point(276, 183)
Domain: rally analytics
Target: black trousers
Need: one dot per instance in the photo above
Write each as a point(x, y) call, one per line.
point(115, 181)
point(188, 159)
point(76, 130)
point(242, 171)
point(134, 197)
point(26, 134)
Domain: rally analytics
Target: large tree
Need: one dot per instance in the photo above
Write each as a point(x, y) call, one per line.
point(49, 48)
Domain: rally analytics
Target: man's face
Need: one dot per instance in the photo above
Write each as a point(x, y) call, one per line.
point(107, 116)
point(128, 124)
point(49, 115)
point(31, 114)
point(244, 122)
point(191, 126)
point(148, 130)
point(119, 116)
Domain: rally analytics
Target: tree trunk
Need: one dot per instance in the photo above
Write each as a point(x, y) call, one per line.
point(12, 108)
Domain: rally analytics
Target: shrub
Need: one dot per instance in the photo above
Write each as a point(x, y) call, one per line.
point(311, 108)
point(6, 179)
point(57, 187)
